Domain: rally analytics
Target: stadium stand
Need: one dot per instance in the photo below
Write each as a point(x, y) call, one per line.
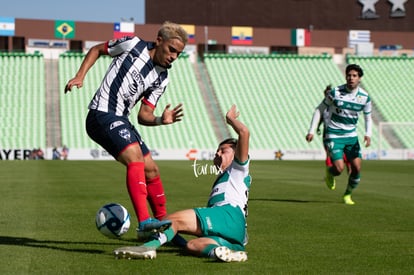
point(74, 105)
point(22, 101)
point(279, 92)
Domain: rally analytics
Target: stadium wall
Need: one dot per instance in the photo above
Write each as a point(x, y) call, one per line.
point(193, 154)
point(335, 39)
point(321, 14)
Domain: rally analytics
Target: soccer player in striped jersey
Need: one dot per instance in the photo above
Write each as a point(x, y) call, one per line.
point(344, 104)
point(138, 73)
point(220, 227)
point(326, 116)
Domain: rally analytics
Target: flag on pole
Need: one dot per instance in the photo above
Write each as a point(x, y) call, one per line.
point(242, 35)
point(357, 37)
point(300, 37)
point(124, 29)
point(190, 29)
point(65, 29)
point(7, 26)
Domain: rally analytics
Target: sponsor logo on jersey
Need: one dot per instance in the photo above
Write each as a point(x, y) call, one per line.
point(138, 79)
point(116, 124)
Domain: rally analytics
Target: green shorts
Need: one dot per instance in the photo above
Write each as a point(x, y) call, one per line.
point(339, 146)
point(225, 224)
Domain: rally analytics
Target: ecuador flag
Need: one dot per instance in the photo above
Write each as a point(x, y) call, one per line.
point(190, 29)
point(242, 35)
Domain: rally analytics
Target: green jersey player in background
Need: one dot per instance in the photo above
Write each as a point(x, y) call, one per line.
point(344, 104)
point(220, 227)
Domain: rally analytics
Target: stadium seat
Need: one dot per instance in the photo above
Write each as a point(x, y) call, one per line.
point(22, 101)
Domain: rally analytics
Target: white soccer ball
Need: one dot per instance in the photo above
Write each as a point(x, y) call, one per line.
point(112, 220)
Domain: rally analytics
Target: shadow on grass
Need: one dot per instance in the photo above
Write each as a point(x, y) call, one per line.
point(292, 200)
point(58, 245)
point(21, 241)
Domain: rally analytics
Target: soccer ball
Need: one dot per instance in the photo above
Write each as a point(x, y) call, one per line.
point(112, 220)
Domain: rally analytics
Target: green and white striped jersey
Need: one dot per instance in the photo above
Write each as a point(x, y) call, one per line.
point(344, 107)
point(232, 187)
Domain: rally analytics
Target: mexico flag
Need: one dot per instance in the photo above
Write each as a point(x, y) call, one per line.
point(300, 37)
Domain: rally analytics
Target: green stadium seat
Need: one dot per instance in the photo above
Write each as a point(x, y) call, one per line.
point(22, 101)
point(277, 94)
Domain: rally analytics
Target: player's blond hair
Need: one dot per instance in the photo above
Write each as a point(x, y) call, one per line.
point(170, 30)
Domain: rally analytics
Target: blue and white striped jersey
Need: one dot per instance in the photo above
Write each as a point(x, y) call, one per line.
point(131, 76)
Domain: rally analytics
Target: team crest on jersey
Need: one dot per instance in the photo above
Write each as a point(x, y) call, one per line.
point(125, 134)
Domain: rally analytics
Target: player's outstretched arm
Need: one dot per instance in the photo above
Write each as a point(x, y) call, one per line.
point(242, 148)
point(90, 59)
point(316, 118)
point(146, 115)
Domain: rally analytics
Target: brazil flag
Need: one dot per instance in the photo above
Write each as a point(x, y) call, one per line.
point(64, 29)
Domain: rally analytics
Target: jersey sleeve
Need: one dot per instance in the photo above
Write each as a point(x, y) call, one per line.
point(124, 44)
point(368, 106)
point(317, 116)
point(368, 118)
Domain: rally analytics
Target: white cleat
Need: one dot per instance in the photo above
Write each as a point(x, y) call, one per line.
point(225, 254)
point(135, 252)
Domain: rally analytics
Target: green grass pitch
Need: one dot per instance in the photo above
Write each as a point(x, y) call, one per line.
point(296, 225)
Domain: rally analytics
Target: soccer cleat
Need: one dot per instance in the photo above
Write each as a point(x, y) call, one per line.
point(329, 180)
point(135, 252)
point(348, 200)
point(225, 254)
point(154, 225)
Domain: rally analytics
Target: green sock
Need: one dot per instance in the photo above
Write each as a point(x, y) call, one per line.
point(162, 238)
point(353, 182)
point(208, 251)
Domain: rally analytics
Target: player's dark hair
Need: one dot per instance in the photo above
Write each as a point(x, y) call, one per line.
point(354, 67)
point(231, 141)
point(327, 89)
